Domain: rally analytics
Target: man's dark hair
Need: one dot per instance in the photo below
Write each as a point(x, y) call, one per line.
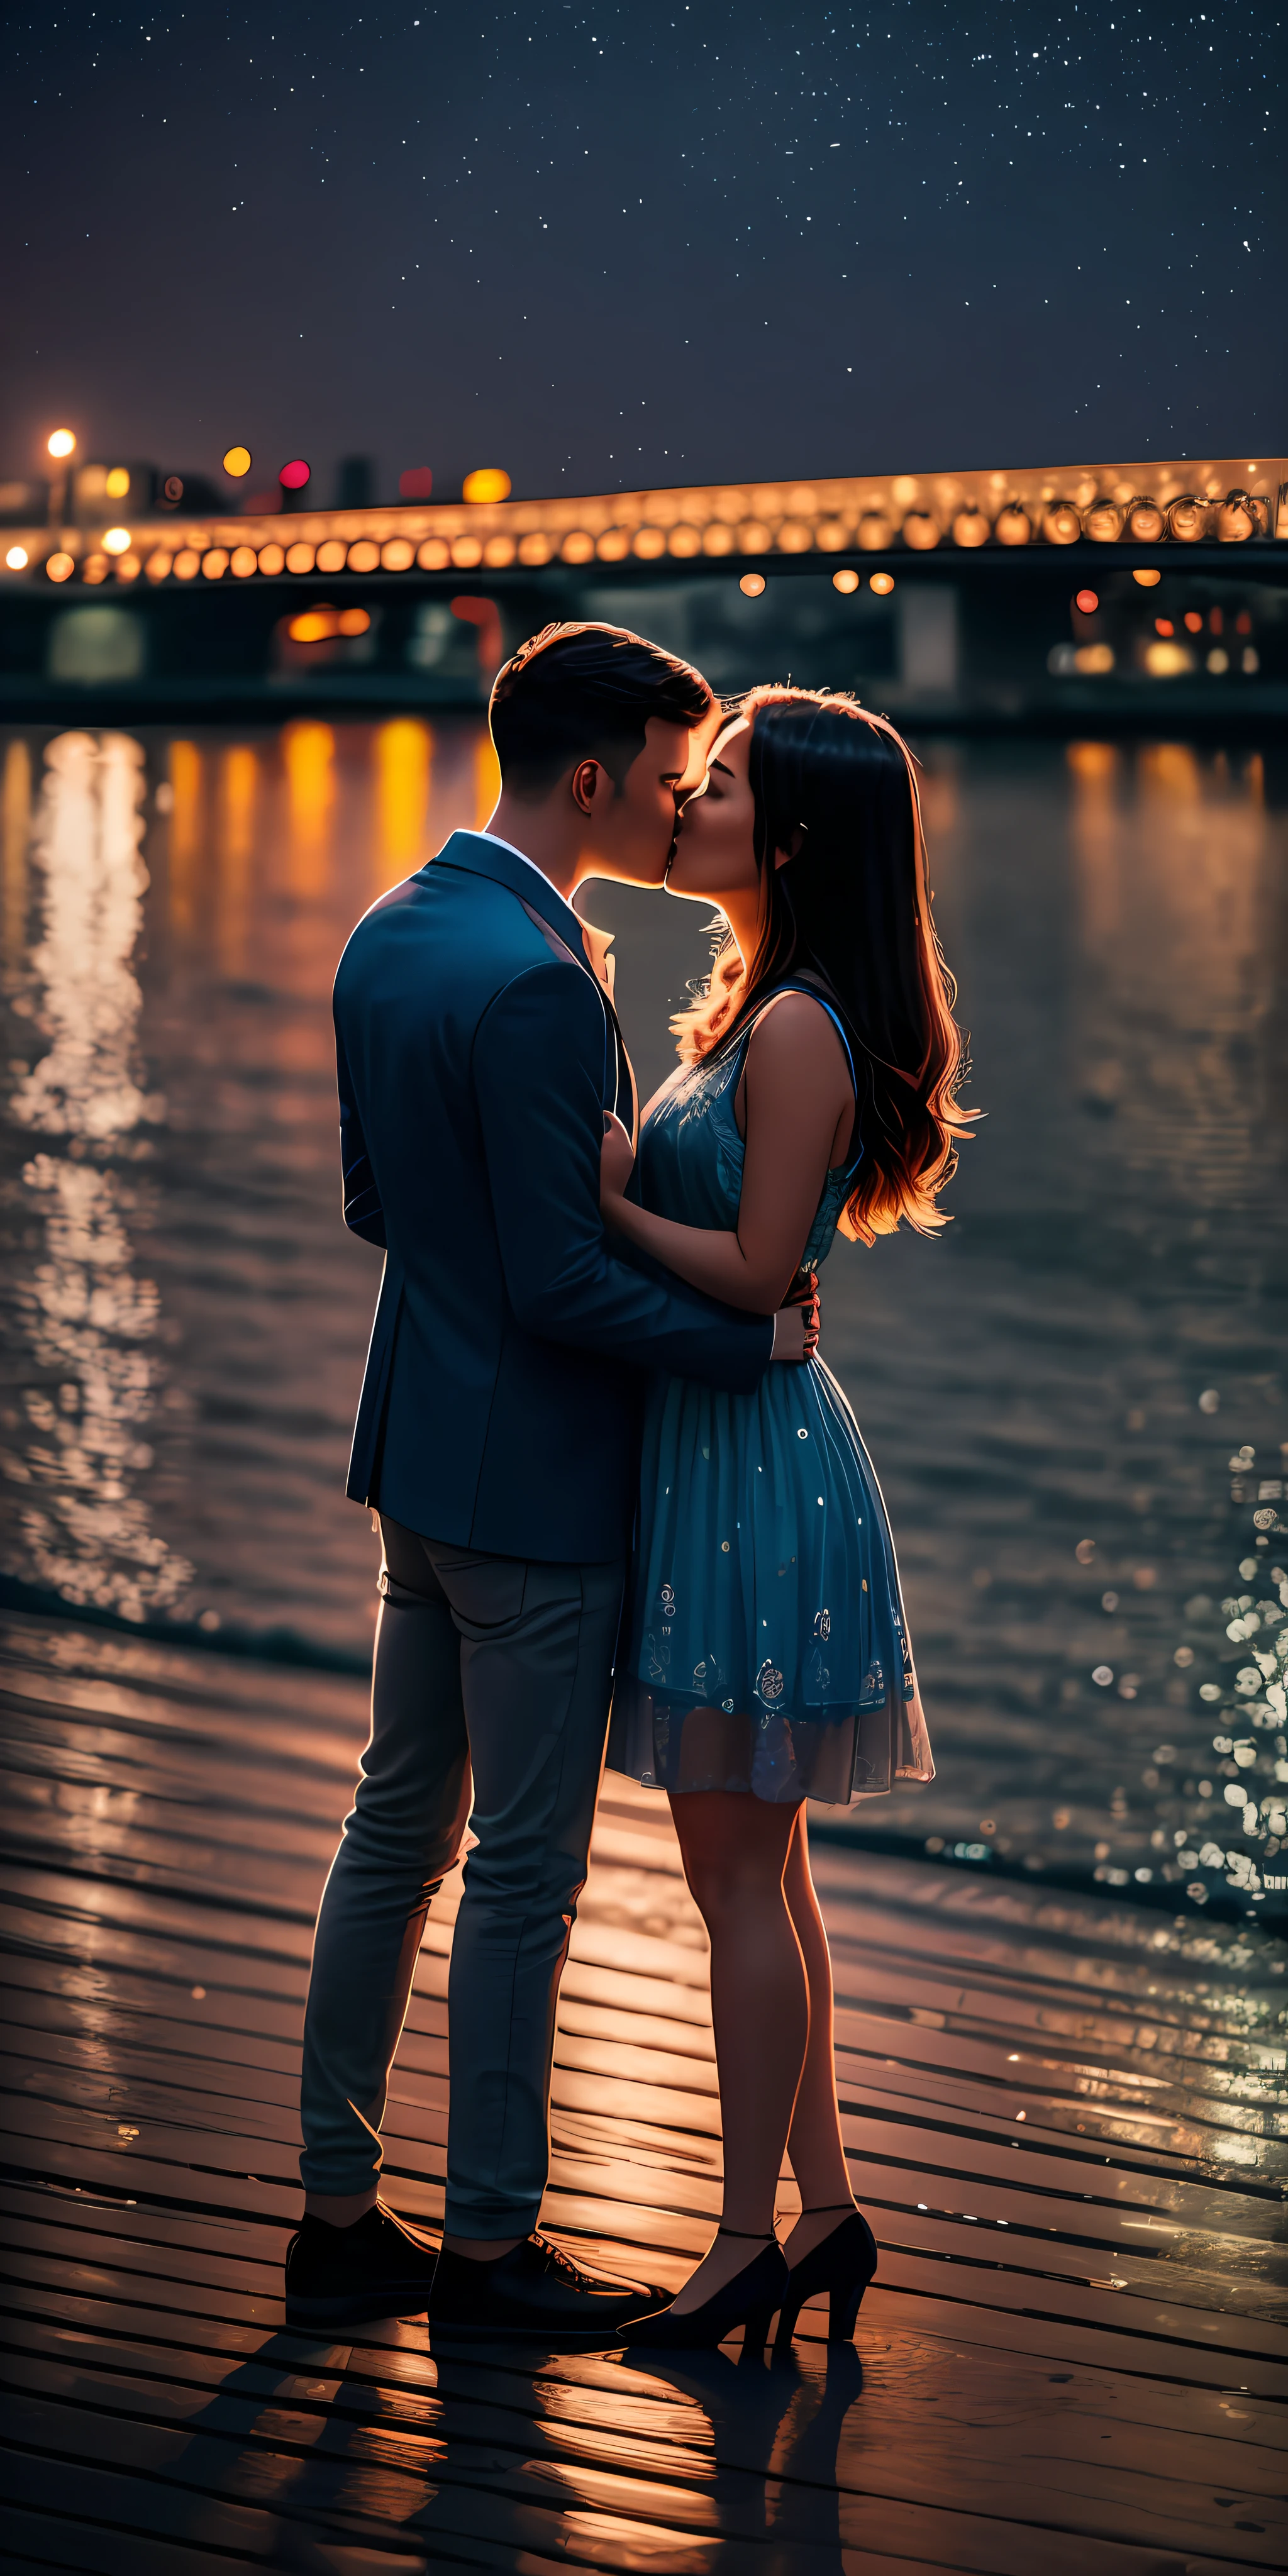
point(583, 692)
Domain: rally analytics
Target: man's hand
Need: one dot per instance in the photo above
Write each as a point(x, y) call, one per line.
point(616, 1162)
point(796, 1325)
point(791, 1335)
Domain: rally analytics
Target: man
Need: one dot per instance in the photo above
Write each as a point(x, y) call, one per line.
point(479, 1058)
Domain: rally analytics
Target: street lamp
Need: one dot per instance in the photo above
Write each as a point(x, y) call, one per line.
point(60, 444)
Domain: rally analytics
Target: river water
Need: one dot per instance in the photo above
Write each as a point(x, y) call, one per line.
point(1075, 1399)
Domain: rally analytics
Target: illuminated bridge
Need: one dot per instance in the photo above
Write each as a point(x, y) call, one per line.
point(1105, 594)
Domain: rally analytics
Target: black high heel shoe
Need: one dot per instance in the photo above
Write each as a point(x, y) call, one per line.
point(749, 2301)
point(842, 2263)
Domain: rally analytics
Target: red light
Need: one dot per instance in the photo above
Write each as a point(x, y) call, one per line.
point(1193, 621)
point(294, 476)
point(1243, 623)
point(484, 615)
point(1087, 602)
point(416, 484)
point(1217, 622)
point(1164, 626)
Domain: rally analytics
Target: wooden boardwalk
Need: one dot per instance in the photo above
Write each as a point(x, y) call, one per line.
point(1060, 2114)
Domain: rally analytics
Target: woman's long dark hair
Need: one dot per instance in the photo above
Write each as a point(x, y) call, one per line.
point(852, 907)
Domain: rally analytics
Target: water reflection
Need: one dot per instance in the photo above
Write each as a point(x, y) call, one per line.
point(404, 749)
point(84, 1515)
point(308, 751)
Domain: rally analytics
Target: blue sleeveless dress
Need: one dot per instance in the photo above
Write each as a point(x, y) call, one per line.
point(765, 1646)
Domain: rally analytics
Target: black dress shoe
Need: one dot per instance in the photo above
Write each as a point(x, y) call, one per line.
point(534, 2290)
point(344, 2276)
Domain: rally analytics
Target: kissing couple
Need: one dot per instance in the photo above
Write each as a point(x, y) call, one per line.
point(624, 1506)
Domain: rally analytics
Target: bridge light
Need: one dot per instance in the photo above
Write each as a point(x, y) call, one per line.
point(1145, 521)
point(752, 584)
point(1187, 519)
point(882, 583)
point(116, 541)
point(62, 443)
point(920, 531)
point(1014, 526)
point(486, 483)
point(845, 580)
point(1104, 520)
point(1061, 525)
point(1147, 580)
point(237, 461)
point(294, 476)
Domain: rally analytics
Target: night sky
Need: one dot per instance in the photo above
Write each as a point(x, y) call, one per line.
point(644, 244)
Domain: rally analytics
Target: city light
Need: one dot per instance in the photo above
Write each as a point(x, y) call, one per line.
point(1087, 601)
point(1147, 580)
point(882, 583)
point(418, 482)
point(17, 559)
point(60, 567)
point(752, 584)
point(237, 461)
point(1168, 661)
point(117, 483)
point(62, 442)
point(845, 580)
point(294, 476)
point(486, 483)
point(318, 625)
point(116, 541)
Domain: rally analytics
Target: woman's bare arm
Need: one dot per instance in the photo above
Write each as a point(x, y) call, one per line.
point(798, 1099)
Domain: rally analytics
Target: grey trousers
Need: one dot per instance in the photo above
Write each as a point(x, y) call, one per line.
point(492, 1677)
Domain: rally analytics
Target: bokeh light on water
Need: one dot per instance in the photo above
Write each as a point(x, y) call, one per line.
point(1074, 1399)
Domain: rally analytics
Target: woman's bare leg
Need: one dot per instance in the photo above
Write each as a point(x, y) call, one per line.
point(734, 1847)
point(814, 2140)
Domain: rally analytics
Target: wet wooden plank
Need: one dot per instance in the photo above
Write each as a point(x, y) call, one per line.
point(1075, 2345)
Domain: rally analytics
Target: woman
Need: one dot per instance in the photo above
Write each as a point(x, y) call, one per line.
point(766, 1656)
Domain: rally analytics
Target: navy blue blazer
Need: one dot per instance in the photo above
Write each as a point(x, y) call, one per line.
point(476, 1053)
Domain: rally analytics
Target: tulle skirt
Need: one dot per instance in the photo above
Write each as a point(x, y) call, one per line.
point(765, 1645)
